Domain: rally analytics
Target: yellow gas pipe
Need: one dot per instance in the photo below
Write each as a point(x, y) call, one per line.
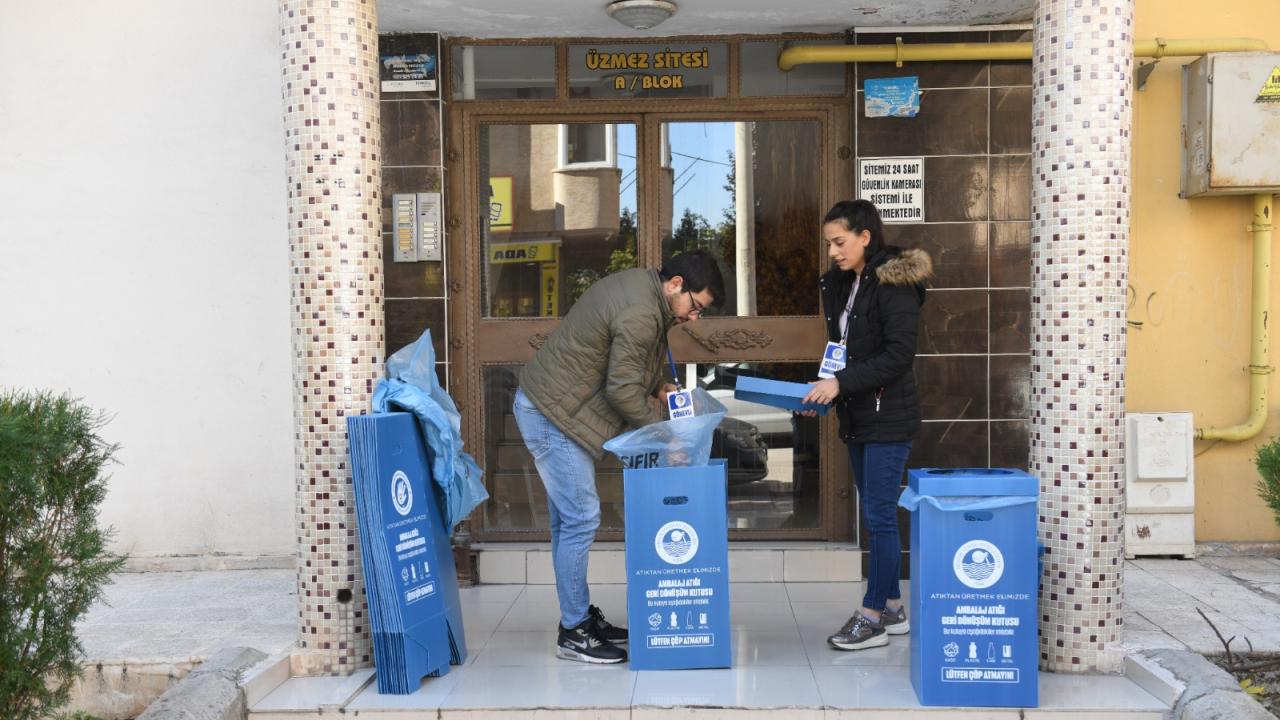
point(901, 52)
point(1259, 351)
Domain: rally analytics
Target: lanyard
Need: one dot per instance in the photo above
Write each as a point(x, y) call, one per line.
point(848, 309)
point(674, 375)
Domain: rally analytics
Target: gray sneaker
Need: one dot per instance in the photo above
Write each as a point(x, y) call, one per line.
point(859, 633)
point(895, 621)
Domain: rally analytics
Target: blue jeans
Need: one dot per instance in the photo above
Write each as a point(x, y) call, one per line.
point(569, 474)
point(877, 471)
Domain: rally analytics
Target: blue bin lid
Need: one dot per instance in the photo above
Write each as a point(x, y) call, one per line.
point(953, 482)
point(746, 383)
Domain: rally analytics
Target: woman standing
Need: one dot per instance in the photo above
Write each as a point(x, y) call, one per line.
point(871, 299)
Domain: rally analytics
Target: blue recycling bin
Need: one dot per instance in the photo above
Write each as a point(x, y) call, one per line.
point(677, 547)
point(974, 581)
point(415, 611)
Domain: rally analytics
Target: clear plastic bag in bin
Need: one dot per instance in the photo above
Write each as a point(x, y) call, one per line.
point(672, 443)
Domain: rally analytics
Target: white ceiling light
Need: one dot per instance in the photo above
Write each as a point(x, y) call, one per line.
point(641, 14)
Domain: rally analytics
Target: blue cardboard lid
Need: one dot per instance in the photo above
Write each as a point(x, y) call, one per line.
point(772, 387)
point(952, 482)
point(776, 393)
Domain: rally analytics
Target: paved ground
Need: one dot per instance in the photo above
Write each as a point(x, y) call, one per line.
point(177, 619)
point(152, 617)
point(1241, 595)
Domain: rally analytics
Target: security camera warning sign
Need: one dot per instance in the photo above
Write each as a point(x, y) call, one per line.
point(895, 185)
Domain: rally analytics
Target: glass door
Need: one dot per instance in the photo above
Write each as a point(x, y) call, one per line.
point(560, 202)
point(560, 211)
point(750, 193)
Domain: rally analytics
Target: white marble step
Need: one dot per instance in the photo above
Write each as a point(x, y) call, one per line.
point(782, 668)
point(562, 690)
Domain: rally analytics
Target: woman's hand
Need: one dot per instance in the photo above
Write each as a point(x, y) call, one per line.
point(823, 392)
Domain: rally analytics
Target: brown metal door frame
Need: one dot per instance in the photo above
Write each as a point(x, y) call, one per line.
point(479, 342)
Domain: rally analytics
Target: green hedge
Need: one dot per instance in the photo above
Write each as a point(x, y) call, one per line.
point(1268, 462)
point(54, 560)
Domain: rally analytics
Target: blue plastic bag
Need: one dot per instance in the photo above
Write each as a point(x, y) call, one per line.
point(672, 443)
point(411, 385)
point(910, 500)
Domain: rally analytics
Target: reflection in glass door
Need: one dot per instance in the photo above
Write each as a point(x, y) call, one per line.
point(561, 214)
point(750, 194)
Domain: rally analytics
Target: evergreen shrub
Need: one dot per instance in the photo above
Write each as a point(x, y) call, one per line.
point(54, 560)
point(1268, 462)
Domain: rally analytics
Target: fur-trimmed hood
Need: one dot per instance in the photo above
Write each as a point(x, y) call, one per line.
point(897, 266)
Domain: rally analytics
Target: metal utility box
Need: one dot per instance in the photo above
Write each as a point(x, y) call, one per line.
point(1160, 487)
point(1231, 124)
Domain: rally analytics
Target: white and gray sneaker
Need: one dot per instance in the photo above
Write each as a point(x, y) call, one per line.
point(859, 633)
point(583, 643)
point(895, 621)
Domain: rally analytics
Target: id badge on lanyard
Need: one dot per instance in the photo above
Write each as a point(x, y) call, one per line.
point(835, 356)
point(833, 359)
point(680, 402)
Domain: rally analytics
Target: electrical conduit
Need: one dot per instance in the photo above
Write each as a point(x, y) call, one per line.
point(901, 52)
point(1259, 350)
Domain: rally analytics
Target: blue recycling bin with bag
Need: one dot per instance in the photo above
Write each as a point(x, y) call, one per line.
point(974, 586)
point(677, 548)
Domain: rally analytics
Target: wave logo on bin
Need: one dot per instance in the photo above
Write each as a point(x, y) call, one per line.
point(401, 493)
point(676, 542)
point(978, 564)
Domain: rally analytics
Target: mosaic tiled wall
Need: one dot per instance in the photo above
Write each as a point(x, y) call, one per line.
point(330, 85)
point(973, 131)
point(973, 355)
point(1081, 117)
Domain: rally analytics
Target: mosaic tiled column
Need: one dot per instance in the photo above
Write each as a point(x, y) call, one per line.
point(330, 86)
point(1081, 113)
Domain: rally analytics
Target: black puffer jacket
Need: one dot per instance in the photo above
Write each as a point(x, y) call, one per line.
point(881, 346)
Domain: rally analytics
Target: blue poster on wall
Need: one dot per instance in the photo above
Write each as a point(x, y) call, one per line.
point(892, 97)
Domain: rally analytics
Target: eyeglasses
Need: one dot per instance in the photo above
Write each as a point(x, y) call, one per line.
point(698, 307)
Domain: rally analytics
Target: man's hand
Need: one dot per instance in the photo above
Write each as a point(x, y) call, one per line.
point(664, 392)
point(659, 401)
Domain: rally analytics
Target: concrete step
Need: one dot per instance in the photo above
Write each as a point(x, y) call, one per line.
point(864, 692)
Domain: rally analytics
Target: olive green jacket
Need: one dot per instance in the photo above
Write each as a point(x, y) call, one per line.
point(595, 375)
